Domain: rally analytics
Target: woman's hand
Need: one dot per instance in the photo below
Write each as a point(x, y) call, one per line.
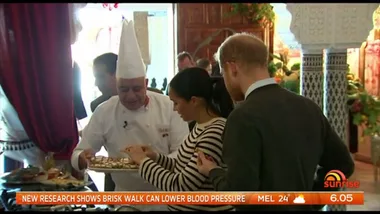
point(136, 153)
point(149, 152)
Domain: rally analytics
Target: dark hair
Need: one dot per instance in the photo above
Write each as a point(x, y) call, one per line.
point(196, 82)
point(203, 63)
point(215, 71)
point(183, 55)
point(109, 60)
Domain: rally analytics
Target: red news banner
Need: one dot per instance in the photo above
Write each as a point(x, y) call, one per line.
point(194, 198)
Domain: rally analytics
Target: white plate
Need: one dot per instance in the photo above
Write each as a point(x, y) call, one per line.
point(107, 170)
point(20, 182)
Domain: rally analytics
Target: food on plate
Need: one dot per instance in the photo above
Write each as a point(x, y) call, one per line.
point(112, 163)
point(22, 175)
point(53, 173)
point(66, 182)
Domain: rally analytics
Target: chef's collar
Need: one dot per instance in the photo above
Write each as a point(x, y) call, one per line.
point(146, 102)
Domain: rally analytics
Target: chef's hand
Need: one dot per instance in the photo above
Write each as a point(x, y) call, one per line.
point(205, 163)
point(84, 157)
point(136, 153)
point(148, 151)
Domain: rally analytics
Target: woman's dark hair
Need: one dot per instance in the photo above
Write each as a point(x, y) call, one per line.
point(215, 70)
point(196, 82)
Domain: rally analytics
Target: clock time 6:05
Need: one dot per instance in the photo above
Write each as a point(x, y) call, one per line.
point(341, 197)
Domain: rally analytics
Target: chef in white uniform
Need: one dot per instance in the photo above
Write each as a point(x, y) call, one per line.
point(134, 116)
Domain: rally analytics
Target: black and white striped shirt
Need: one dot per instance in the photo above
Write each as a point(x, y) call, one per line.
point(181, 174)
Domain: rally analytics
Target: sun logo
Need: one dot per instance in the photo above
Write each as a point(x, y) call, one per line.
point(336, 179)
point(335, 175)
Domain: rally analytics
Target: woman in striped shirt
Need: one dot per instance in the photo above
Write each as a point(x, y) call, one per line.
point(196, 97)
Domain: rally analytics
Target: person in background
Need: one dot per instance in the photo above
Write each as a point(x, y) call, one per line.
point(104, 73)
point(206, 105)
point(275, 140)
point(134, 116)
point(205, 64)
point(75, 28)
point(185, 60)
point(104, 69)
point(79, 109)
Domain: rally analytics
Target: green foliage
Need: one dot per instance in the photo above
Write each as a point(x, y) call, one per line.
point(364, 107)
point(254, 12)
point(295, 67)
point(292, 85)
point(272, 68)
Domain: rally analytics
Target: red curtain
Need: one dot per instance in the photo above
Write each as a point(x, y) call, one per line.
point(36, 72)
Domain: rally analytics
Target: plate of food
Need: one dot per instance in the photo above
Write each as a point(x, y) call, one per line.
point(109, 164)
point(22, 176)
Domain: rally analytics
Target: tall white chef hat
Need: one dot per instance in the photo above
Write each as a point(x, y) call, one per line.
point(130, 64)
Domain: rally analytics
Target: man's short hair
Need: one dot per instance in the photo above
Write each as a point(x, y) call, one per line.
point(109, 60)
point(183, 55)
point(203, 63)
point(243, 48)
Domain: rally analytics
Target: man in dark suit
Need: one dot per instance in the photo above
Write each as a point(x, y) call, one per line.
point(104, 73)
point(275, 140)
point(185, 60)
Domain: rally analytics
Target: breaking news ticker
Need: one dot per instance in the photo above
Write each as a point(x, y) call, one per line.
point(193, 198)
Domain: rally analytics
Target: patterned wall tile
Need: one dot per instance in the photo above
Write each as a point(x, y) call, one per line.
point(312, 77)
point(335, 97)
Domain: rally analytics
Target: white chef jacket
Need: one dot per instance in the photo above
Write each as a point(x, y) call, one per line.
point(155, 124)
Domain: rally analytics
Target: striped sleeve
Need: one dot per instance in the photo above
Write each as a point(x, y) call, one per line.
point(189, 179)
point(166, 162)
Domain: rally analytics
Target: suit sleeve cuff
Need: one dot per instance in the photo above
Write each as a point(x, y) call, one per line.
point(75, 159)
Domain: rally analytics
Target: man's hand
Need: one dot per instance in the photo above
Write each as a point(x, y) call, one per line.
point(136, 153)
point(205, 163)
point(84, 157)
